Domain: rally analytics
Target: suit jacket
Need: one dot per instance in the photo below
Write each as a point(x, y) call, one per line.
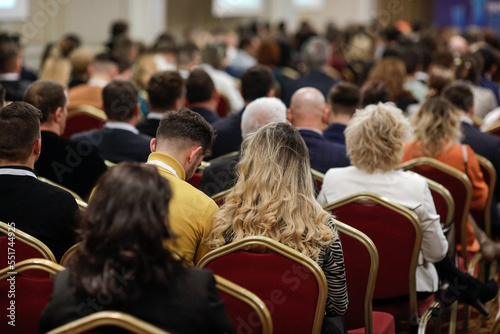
point(319, 80)
point(117, 145)
point(407, 189)
point(220, 175)
point(48, 213)
point(85, 94)
point(69, 164)
point(148, 127)
point(322, 153)
point(335, 133)
point(188, 304)
point(209, 115)
point(14, 90)
point(228, 138)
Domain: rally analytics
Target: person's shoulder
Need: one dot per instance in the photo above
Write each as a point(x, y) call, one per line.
point(86, 135)
point(340, 172)
point(227, 122)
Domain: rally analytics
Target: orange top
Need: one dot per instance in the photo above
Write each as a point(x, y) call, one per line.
point(453, 157)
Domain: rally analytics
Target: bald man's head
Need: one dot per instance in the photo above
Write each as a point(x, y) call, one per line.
point(308, 109)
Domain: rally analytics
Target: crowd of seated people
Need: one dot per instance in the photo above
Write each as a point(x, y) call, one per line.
point(272, 108)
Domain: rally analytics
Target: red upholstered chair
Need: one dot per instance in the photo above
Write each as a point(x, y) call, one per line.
point(361, 266)
point(90, 323)
point(223, 106)
point(397, 234)
point(221, 197)
point(83, 118)
point(483, 217)
point(318, 178)
point(457, 183)
point(17, 246)
point(31, 294)
point(248, 312)
point(292, 286)
point(443, 201)
point(195, 181)
point(494, 129)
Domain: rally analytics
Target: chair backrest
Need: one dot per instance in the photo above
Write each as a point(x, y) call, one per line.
point(223, 106)
point(83, 118)
point(68, 255)
point(247, 311)
point(109, 164)
point(203, 165)
point(457, 183)
point(476, 121)
point(443, 201)
point(195, 180)
point(361, 266)
point(483, 216)
point(17, 246)
point(318, 178)
point(29, 294)
point(220, 198)
point(397, 234)
point(108, 318)
point(494, 129)
point(292, 286)
point(82, 205)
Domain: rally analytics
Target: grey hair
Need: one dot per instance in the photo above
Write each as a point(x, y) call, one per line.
point(260, 112)
point(316, 52)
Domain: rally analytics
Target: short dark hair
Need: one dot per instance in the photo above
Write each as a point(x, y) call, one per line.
point(19, 130)
point(460, 95)
point(373, 92)
point(46, 95)
point(345, 95)
point(9, 51)
point(489, 58)
point(187, 127)
point(199, 86)
point(119, 99)
point(119, 27)
point(164, 88)
point(412, 58)
point(256, 82)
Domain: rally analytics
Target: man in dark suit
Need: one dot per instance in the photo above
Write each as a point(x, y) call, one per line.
point(76, 167)
point(166, 91)
point(119, 140)
point(10, 69)
point(256, 82)
point(343, 99)
point(47, 213)
point(202, 96)
point(315, 53)
point(221, 174)
point(461, 96)
point(308, 113)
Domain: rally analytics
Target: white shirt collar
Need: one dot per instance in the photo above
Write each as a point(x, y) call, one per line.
point(155, 115)
point(121, 126)
point(97, 83)
point(466, 119)
point(9, 76)
point(17, 172)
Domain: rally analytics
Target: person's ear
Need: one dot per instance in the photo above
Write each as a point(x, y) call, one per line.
point(58, 114)
point(179, 103)
point(194, 154)
point(271, 93)
point(152, 144)
point(289, 115)
point(326, 114)
point(37, 148)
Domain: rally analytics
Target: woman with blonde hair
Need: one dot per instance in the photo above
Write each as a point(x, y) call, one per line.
point(375, 141)
point(274, 198)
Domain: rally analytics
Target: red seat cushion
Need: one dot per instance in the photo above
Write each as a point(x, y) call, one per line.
point(383, 323)
point(195, 181)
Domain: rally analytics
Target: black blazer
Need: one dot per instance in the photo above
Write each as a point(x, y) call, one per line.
point(14, 90)
point(48, 213)
point(335, 133)
point(219, 176)
point(322, 153)
point(319, 80)
point(228, 138)
point(117, 145)
point(209, 115)
point(148, 127)
point(72, 165)
point(188, 305)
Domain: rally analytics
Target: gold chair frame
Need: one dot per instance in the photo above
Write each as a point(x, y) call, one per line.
point(486, 164)
point(109, 164)
point(222, 195)
point(372, 277)
point(88, 110)
point(108, 318)
point(38, 264)
point(492, 128)
point(462, 177)
point(29, 240)
point(318, 176)
point(69, 254)
point(203, 165)
point(370, 199)
point(248, 298)
point(82, 205)
point(287, 252)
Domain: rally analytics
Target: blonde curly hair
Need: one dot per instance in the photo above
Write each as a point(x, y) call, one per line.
point(274, 195)
point(375, 137)
point(436, 125)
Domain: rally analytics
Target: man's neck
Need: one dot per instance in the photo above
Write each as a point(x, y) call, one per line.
point(210, 105)
point(50, 127)
point(309, 125)
point(339, 119)
point(30, 163)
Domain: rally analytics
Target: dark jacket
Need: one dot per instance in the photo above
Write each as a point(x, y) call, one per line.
point(228, 132)
point(209, 115)
point(335, 133)
point(148, 127)
point(220, 175)
point(322, 153)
